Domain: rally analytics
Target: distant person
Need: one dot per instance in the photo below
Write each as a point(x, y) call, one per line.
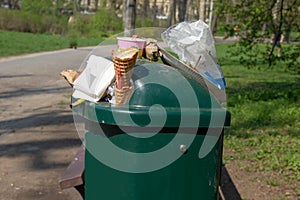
point(277, 39)
point(236, 30)
point(71, 20)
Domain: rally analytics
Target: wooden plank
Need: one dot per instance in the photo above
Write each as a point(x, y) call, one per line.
point(73, 175)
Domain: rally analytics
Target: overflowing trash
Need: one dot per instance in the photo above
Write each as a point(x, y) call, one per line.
point(70, 75)
point(124, 63)
point(125, 43)
point(109, 79)
point(92, 83)
point(194, 44)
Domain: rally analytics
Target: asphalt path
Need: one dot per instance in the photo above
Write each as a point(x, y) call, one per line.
point(37, 135)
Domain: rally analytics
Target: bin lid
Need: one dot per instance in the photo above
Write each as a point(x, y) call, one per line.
point(162, 96)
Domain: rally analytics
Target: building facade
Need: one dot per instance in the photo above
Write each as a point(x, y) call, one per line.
point(197, 9)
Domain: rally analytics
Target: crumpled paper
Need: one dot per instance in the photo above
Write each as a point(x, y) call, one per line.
point(70, 75)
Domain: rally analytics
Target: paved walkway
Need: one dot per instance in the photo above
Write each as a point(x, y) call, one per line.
point(37, 134)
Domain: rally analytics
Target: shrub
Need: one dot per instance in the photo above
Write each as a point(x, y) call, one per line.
point(104, 23)
point(25, 21)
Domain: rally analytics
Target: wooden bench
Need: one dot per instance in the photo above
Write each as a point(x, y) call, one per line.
point(74, 174)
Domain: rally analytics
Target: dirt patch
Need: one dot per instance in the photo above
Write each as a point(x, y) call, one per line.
point(38, 139)
point(259, 185)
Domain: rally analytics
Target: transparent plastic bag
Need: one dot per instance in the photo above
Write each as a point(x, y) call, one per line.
point(194, 44)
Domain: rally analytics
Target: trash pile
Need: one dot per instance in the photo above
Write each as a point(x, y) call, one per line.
point(110, 79)
point(194, 44)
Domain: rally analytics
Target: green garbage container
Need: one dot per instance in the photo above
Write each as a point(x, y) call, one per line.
point(159, 145)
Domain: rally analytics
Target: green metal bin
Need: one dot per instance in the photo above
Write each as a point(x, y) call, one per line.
point(150, 148)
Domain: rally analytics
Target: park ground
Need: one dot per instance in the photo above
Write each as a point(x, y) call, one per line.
point(38, 138)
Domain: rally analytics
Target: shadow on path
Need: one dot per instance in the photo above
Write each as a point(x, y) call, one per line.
point(32, 91)
point(15, 76)
point(55, 117)
point(37, 150)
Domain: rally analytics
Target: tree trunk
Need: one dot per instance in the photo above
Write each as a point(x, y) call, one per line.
point(211, 8)
point(214, 24)
point(96, 4)
point(181, 10)
point(113, 4)
point(124, 12)
point(13, 4)
point(172, 11)
point(278, 30)
point(206, 10)
point(263, 29)
point(145, 9)
point(187, 11)
point(76, 7)
point(197, 6)
point(130, 16)
point(287, 33)
point(202, 10)
point(154, 12)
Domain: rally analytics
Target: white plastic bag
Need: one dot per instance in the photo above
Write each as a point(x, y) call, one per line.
point(193, 42)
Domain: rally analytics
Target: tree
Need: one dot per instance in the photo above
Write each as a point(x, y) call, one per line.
point(129, 16)
point(277, 25)
point(144, 10)
point(154, 11)
point(291, 18)
point(187, 11)
point(182, 10)
point(257, 21)
point(172, 11)
point(12, 4)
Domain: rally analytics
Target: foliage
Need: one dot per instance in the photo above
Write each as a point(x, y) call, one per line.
point(291, 56)
point(254, 56)
point(105, 22)
point(102, 24)
point(25, 21)
point(257, 21)
point(38, 6)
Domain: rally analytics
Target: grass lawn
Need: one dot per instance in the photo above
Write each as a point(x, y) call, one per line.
point(265, 131)
point(16, 43)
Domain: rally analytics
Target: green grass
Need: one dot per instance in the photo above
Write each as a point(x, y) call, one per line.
point(265, 130)
point(16, 43)
point(273, 182)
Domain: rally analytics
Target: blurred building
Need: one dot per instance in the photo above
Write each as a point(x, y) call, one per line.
point(196, 9)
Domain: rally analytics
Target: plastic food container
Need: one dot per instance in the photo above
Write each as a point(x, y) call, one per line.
point(129, 42)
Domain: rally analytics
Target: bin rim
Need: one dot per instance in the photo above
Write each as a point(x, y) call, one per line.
point(102, 113)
